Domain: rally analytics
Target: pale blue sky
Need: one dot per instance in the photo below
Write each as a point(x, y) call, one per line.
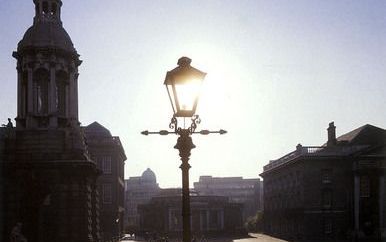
point(278, 73)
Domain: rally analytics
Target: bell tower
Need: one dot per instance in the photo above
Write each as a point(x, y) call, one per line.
point(48, 178)
point(47, 67)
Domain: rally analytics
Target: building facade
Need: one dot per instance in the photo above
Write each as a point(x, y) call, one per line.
point(138, 190)
point(238, 190)
point(107, 152)
point(210, 216)
point(48, 181)
point(334, 192)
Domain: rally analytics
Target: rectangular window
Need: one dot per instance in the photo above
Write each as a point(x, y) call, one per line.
point(175, 220)
point(106, 193)
point(326, 176)
point(365, 186)
point(328, 226)
point(106, 164)
point(326, 198)
point(213, 219)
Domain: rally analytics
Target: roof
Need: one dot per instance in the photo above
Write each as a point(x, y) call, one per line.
point(365, 140)
point(149, 175)
point(96, 129)
point(365, 135)
point(47, 31)
point(46, 35)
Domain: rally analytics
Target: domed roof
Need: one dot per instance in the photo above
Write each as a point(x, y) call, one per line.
point(149, 175)
point(46, 35)
point(96, 129)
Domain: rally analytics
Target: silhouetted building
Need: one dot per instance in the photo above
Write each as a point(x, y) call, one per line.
point(330, 192)
point(107, 151)
point(210, 215)
point(239, 190)
point(138, 190)
point(48, 180)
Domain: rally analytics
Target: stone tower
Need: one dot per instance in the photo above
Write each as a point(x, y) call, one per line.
point(49, 181)
point(47, 66)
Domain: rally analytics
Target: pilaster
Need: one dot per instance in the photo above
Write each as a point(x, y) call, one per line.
point(30, 104)
point(356, 202)
point(19, 92)
point(52, 98)
point(382, 206)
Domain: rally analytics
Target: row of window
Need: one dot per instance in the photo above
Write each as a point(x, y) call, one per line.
point(103, 163)
point(293, 180)
point(326, 196)
point(107, 193)
point(295, 227)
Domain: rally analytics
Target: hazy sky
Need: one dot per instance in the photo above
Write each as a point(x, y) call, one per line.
point(278, 73)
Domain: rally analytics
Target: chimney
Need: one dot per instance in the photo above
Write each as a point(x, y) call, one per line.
point(331, 134)
point(299, 148)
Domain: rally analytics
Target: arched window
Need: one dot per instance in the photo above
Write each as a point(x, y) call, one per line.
point(40, 92)
point(53, 9)
point(45, 7)
point(61, 92)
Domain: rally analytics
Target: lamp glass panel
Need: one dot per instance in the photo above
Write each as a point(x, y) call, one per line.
point(169, 88)
point(187, 94)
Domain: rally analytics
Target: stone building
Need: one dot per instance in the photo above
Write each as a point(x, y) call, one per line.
point(210, 216)
point(107, 151)
point(48, 180)
point(333, 192)
point(238, 190)
point(138, 190)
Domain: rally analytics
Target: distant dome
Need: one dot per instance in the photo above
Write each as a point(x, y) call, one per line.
point(149, 175)
point(46, 35)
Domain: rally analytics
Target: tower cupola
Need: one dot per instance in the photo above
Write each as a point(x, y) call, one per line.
point(47, 65)
point(47, 10)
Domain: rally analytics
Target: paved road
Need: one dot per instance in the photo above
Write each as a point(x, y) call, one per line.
point(259, 238)
point(252, 238)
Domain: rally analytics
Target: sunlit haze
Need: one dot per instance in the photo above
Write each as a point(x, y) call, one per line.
point(277, 73)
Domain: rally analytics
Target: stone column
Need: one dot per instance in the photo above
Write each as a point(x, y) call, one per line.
point(67, 100)
point(19, 92)
point(71, 100)
point(381, 200)
point(222, 219)
point(52, 97)
point(30, 91)
point(23, 98)
point(356, 202)
point(170, 220)
point(30, 99)
point(201, 220)
point(75, 101)
point(207, 219)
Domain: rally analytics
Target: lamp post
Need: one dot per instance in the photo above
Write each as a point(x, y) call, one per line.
point(183, 85)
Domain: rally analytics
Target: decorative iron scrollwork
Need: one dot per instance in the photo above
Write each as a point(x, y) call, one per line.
point(173, 123)
point(195, 121)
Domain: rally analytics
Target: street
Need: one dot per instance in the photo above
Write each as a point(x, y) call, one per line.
point(252, 238)
point(259, 238)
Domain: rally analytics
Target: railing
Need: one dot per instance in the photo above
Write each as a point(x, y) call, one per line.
point(300, 151)
point(314, 151)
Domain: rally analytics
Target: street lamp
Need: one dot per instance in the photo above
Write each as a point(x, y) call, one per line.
point(183, 85)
